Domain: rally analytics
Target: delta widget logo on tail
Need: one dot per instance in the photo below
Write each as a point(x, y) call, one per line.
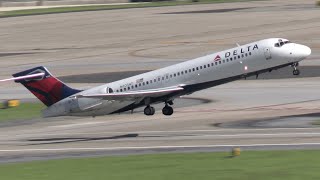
point(218, 58)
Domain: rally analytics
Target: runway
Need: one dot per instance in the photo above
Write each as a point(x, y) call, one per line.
point(276, 111)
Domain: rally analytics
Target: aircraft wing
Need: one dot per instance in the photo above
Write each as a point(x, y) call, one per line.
point(133, 95)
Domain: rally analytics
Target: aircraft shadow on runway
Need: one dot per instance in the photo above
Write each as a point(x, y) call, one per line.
point(291, 121)
point(55, 140)
point(42, 141)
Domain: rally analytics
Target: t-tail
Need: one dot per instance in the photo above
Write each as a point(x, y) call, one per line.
point(44, 86)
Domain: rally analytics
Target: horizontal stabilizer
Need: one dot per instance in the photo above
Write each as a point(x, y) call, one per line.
point(31, 76)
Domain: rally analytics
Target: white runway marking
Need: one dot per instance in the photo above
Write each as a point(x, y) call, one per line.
point(188, 130)
point(153, 147)
point(255, 135)
point(78, 124)
point(163, 132)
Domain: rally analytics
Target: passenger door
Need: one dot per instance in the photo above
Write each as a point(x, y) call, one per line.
point(267, 53)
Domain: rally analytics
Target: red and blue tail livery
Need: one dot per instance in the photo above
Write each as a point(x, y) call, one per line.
point(46, 87)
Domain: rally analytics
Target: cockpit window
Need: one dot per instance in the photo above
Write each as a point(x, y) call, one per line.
point(281, 43)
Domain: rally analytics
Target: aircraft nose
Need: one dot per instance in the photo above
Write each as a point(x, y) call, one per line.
point(302, 51)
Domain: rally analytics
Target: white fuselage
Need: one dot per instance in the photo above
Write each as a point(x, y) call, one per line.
point(197, 74)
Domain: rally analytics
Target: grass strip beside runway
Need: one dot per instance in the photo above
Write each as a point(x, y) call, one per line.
point(316, 123)
point(269, 165)
point(106, 7)
point(24, 111)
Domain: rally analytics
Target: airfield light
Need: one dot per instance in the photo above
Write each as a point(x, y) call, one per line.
point(10, 103)
point(236, 152)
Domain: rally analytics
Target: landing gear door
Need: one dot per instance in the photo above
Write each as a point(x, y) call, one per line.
point(267, 53)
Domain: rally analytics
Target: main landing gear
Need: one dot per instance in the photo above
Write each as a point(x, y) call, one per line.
point(296, 71)
point(149, 110)
point(166, 110)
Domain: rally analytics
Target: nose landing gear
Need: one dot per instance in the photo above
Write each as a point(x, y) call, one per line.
point(296, 71)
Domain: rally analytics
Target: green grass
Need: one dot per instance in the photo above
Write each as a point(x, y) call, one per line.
point(24, 111)
point(106, 7)
point(262, 165)
point(316, 123)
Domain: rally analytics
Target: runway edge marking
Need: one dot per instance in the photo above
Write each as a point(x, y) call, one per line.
point(157, 147)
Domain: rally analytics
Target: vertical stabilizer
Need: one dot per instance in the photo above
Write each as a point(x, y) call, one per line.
point(46, 88)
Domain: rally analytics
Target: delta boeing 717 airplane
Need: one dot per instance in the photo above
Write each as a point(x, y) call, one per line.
point(162, 85)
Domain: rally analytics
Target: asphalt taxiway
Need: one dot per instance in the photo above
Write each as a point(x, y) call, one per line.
point(274, 112)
